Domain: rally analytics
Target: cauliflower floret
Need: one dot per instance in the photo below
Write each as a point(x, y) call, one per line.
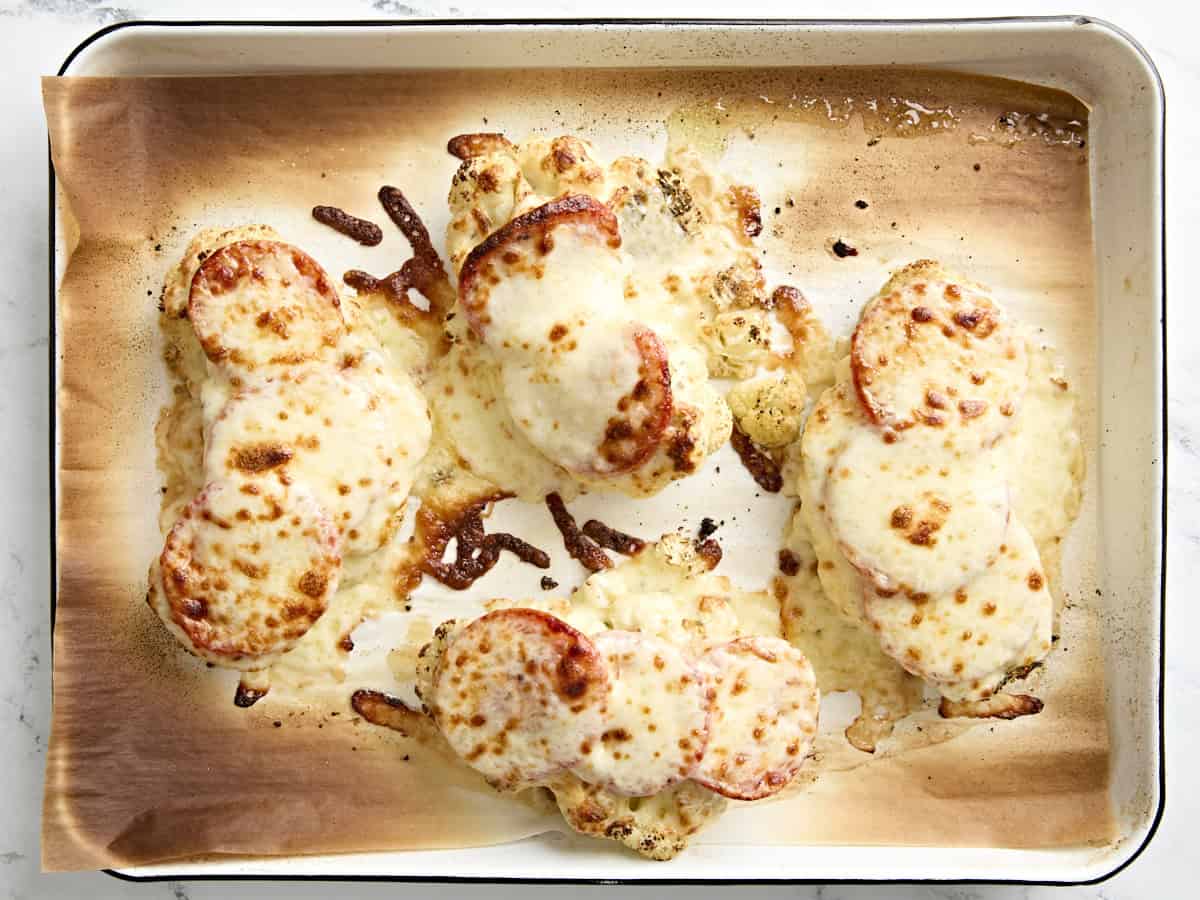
point(657, 827)
point(677, 556)
point(484, 194)
point(769, 409)
point(738, 286)
point(561, 165)
point(737, 342)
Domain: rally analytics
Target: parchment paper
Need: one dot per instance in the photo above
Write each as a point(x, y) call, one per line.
point(150, 760)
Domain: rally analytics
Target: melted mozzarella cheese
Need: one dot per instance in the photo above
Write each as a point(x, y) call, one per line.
point(681, 259)
point(183, 352)
point(519, 695)
point(665, 591)
point(258, 303)
point(315, 414)
point(353, 436)
point(914, 518)
point(656, 723)
point(564, 399)
point(764, 718)
point(245, 575)
point(934, 351)
point(845, 656)
point(472, 415)
point(1046, 453)
point(314, 670)
point(589, 387)
point(835, 413)
point(578, 282)
point(652, 618)
point(980, 629)
point(962, 615)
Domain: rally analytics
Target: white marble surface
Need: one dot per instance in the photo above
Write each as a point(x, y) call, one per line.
point(35, 35)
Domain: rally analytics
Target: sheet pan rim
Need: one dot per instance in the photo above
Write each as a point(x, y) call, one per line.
point(1122, 858)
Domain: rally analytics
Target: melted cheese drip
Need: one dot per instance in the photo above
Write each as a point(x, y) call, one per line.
point(1046, 498)
point(844, 655)
point(466, 398)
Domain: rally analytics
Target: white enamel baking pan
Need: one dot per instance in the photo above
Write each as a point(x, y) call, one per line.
point(1093, 60)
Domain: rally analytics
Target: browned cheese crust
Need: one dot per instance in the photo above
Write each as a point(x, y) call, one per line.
point(226, 586)
point(255, 303)
point(642, 416)
point(526, 237)
point(516, 692)
point(934, 351)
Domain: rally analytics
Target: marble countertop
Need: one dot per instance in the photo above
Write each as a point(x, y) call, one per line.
point(35, 36)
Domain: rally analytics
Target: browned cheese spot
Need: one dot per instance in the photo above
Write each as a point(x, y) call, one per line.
point(259, 457)
point(902, 517)
point(923, 534)
point(249, 569)
point(788, 564)
point(616, 736)
point(971, 409)
point(313, 584)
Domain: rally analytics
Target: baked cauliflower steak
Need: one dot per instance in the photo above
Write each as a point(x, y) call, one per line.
point(596, 302)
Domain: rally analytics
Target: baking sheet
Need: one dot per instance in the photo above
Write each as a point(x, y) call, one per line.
point(150, 760)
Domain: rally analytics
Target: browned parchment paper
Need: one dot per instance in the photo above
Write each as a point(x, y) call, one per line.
point(149, 759)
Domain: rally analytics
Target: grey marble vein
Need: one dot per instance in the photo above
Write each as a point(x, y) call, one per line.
point(99, 13)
